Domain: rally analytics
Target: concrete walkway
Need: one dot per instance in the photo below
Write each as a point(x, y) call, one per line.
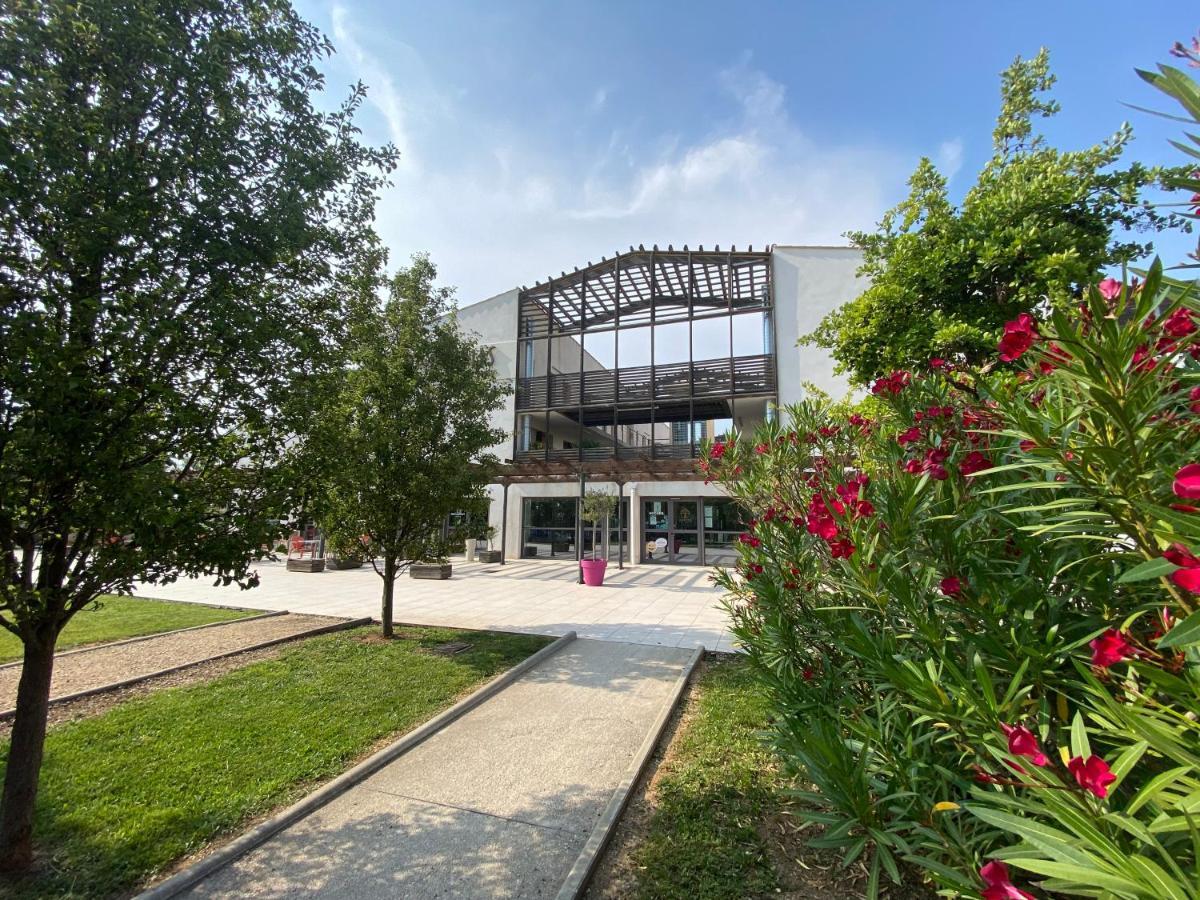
point(498, 804)
point(666, 606)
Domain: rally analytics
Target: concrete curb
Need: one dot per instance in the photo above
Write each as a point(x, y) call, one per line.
point(260, 834)
point(157, 634)
point(585, 863)
point(116, 685)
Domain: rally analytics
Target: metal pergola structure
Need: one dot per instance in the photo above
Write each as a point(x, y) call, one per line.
point(635, 289)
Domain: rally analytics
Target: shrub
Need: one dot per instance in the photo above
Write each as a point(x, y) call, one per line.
point(976, 612)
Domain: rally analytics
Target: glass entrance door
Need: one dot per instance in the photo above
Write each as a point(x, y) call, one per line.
point(672, 530)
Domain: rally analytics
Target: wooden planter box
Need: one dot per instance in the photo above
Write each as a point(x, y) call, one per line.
point(345, 563)
point(488, 556)
point(438, 571)
point(306, 565)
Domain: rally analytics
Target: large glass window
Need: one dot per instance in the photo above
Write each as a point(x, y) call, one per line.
point(549, 528)
point(723, 523)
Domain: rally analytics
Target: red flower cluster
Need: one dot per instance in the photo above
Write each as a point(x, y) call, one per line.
point(820, 519)
point(718, 450)
point(995, 876)
point(1110, 289)
point(891, 384)
point(1023, 742)
point(1180, 323)
point(951, 586)
point(974, 462)
point(1019, 336)
point(908, 437)
point(1110, 648)
point(1187, 576)
point(931, 465)
point(1187, 481)
point(1092, 774)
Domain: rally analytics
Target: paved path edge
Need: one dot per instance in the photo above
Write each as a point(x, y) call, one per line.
point(137, 679)
point(602, 831)
point(222, 856)
point(157, 634)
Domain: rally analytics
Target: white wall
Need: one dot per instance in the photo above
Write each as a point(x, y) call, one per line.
point(810, 282)
point(494, 321)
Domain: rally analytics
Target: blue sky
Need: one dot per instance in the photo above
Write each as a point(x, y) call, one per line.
point(537, 136)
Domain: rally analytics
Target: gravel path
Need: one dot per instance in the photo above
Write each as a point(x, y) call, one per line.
point(105, 665)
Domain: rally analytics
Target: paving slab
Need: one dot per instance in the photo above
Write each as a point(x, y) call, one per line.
point(533, 596)
point(498, 804)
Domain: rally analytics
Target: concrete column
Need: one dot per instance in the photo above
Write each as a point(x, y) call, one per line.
point(516, 502)
point(637, 538)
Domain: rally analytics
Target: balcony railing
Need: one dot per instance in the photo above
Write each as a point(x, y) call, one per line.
point(736, 376)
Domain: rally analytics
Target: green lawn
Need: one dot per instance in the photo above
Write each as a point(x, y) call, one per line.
point(125, 793)
point(125, 617)
point(713, 793)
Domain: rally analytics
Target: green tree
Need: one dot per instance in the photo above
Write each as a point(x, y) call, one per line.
point(403, 442)
point(176, 226)
point(1038, 223)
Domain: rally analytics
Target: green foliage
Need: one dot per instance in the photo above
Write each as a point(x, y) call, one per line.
point(400, 441)
point(1037, 224)
point(184, 766)
point(717, 786)
point(176, 220)
point(114, 618)
point(178, 226)
point(915, 586)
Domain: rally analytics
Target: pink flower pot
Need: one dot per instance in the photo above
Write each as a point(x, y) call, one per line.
point(593, 571)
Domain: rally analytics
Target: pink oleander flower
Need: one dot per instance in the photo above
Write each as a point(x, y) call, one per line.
point(1187, 482)
point(1187, 576)
point(1110, 289)
point(951, 586)
point(1019, 336)
point(1092, 774)
point(1110, 648)
point(974, 462)
point(995, 876)
point(1023, 742)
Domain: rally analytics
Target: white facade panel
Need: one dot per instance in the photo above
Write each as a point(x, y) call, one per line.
point(809, 283)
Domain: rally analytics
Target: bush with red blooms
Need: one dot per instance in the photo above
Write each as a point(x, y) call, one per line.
point(976, 613)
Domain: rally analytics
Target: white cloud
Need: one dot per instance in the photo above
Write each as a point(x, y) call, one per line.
point(382, 93)
point(950, 157)
point(502, 208)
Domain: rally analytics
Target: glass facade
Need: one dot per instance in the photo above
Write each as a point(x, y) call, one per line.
point(550, 530)
point(691, 530)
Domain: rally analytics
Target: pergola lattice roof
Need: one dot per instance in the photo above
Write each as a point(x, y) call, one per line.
point(643, 286)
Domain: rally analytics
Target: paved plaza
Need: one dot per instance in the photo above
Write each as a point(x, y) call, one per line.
point(668, 606)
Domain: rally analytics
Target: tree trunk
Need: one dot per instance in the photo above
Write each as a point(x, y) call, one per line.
point(25, 756)
point(389, 587)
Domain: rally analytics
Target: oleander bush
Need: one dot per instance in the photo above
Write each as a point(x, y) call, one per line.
point(976, 612)
point(974, 600)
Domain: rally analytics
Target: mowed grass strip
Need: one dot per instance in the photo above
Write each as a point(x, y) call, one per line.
point(126, 793)
point(117, 618)
point(713, 792)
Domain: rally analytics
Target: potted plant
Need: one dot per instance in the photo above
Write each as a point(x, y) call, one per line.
point(347, 552)
point(597, 506)
point(489, 555)
point(436, 565)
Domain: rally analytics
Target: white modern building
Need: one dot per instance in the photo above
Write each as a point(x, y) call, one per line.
point(620, 371)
